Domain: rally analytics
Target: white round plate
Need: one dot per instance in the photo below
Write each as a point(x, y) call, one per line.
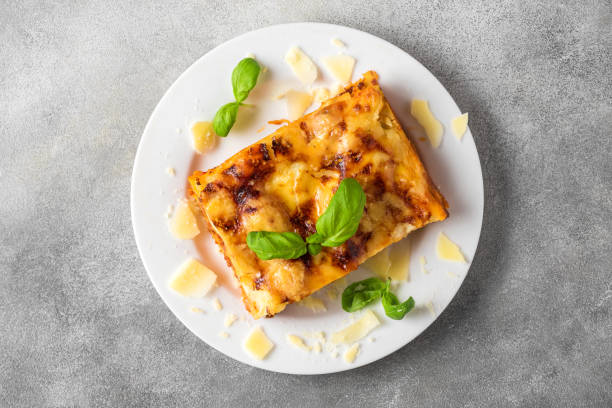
point(199, 92)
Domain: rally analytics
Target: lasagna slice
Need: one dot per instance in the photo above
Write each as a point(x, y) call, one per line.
point(285, 181)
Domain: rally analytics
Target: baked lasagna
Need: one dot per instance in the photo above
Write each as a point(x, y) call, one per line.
point(285, 181)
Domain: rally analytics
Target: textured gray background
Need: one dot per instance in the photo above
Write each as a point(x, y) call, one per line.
point(80, 323)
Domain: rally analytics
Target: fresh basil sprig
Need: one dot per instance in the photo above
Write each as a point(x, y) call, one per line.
point(244, 79)
point(358, 295)
point(393, 308)
point(334, 227)
point(270, 245)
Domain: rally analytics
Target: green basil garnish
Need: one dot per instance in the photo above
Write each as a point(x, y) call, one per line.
point(341, 218)
point(244, 79)
point(337, 224)
point(225, 118)
point(393, 308)
point(270, 245)
point(358, 295)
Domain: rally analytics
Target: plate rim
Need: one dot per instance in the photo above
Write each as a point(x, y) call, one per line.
point(138, 158)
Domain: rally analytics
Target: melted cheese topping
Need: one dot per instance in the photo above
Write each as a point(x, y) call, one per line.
point(285, 181)
point(351, 353)
point(301, 65)
point(257, 344)
point(184, 224)
point(448, 250)
point(433, 128)
point(192, 279)
point(357, 330)
point(459, 125)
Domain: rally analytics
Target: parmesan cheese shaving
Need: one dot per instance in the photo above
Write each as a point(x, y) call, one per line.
point(448, 250)
point(257, 344)
point(419, 109)
point(297, 342)
point(340, 66)
point(301, 65)
point(357, 330)
point(183, 224)
point(459, 125)
point(192, 279)
point(351, 353)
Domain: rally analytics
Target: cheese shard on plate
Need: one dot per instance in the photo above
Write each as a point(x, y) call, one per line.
point(285, 181)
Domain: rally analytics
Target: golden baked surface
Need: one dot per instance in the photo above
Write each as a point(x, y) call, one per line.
point(285, 181)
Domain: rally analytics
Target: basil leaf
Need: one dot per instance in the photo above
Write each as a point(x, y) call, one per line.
point(315, 238)
point(393, 308)
point(358, 295)
point(314, 249)
point(225, 118)
point(341, 219)
point(244, 78)
point(276, 245)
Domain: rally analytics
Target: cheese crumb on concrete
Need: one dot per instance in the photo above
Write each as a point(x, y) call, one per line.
point(230, 319)
point(297, 342)
point(171, 171)
point(459, 125)
point(358, 330)
point(217, 304)
point(224, 335)
point(301, 65)
point(297, 103)
point(317, 347)
point(351, 353)
point(192, 279)
point(448, 250)
point(195, 309)
point(340, 67)
point(257, 344)
point(183, 224)
point(337, 43)
point(419, 109)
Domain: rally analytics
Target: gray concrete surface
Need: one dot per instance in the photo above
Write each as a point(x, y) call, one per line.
point(80, 323)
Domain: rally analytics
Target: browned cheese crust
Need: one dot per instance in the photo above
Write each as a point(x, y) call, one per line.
point(284, 183)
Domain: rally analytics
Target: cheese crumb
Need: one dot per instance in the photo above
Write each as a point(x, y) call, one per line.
point(230, 319)
point(183, 224)
point(257, 344)
point(459, 125)
point(357, 330)
point(297, 103)
point(317, 347)
point(195, 309)
point(429, 305)
point(320, 94)
point(169, 210)
point(337, 43)
point(217, 304)
point(448, 250)
point(301, 65)
point(224, 335)
point(423, 262)
point(334, 354)
point(340, 66)
point(171, 171)
point(203, 136)
point(419, 109)
point(351, 353)
point(297, 342)
point(192, 279)
point(313, 303)
point(371, 339)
